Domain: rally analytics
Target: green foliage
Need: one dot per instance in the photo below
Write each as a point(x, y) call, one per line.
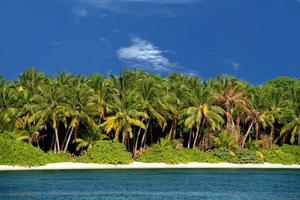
point(238, 155)
point(168, 154)
point(107, 152)
point(59, 157)
point(13, 152)
point(225, 140)
point(253, 144)
point(50, 112)
point(287, 154)
point(87, 140)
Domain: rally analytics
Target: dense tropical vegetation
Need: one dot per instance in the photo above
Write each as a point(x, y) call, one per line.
point(149, 114)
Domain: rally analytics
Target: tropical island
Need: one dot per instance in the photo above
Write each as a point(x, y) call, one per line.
point(143, 117)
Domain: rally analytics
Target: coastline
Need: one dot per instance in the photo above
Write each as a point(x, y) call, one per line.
point(140, 165)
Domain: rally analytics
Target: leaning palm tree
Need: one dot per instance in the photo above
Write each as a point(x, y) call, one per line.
point(176, 97)
point(257, 121)
point(292, 128)
point(126, 114)
point(149, 91)
point(200, 113)
point(78, 111)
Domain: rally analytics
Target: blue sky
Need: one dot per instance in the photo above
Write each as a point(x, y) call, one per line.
point(255, 40)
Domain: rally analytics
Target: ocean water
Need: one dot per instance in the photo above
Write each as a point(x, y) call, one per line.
point(152, 184)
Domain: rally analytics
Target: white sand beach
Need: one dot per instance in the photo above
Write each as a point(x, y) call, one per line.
point(140, 165)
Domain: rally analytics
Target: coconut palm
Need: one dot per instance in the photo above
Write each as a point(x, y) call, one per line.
point(198, 116)
point(201, 113)
point(234, 102)
point(78, 111)
point(292, 128)
point(126, 114)
point(257, 120)
point(150, 92)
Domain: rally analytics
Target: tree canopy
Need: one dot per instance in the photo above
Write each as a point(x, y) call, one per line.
point(72, 112)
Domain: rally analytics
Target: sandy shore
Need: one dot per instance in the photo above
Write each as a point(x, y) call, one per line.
point(139, 165)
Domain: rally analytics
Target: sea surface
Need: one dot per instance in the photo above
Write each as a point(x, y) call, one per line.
point(152, 184)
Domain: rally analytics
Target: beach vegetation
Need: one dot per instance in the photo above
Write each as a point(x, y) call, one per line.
point(149, 113)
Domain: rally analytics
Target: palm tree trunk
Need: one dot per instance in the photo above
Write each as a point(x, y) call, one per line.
point(151, 136)
point(137, 140)
point(276, 140)
point(70, 135)
point(128, 144)
point(189, 142)
point(233, 124)
point(57, 139)
point(52, 142)
point(247, 133)
point(55, 148)
point(174, 132)
point(238, 127)
point(227, 120)
point(196, 137)
point(124, 137)
point(271, 136)
point(38, 144)
point(256, 131)
point(283, 139)
point(144, 135)
point(171, 131)
point(65, 138)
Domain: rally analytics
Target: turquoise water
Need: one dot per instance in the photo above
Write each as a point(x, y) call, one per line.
point(152, 184)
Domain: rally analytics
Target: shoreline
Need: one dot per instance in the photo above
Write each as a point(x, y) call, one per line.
point(140, 165)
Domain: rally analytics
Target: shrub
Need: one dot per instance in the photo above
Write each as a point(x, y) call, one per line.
point(167, 154)
point(287, 154)
point(13, 152)
point(225, 139)
point(238, 155)
point(59, 157)
point(107, 152)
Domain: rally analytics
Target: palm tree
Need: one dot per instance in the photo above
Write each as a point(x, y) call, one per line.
point(99, 96)
point(292, 128)
point(78, 111)
point(198, 116)
point(126, 114)
point(136, 105)
point(200, 113)
point(176, 97)
point(150, 92)
point(234, 102)
point(7, 105)
point(48, 110)
point(257, 121)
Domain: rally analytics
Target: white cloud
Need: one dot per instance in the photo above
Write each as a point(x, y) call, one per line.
point(103, 2)
point(54, 43)
point(103, 15)
point(80, 12)
point(116, 30)
point(121, 6)
point(142, 52)
point(233, 64)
